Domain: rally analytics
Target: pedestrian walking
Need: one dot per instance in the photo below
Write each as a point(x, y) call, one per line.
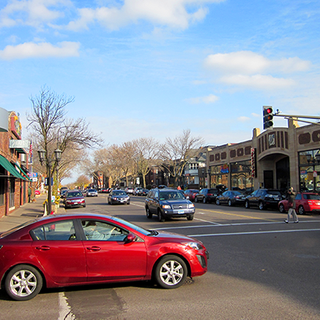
point(292, 206)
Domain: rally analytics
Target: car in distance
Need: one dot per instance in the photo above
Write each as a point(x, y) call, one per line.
point(263, 198)
point(191, 193)
point(79, 249)
point(74, 198)
point(92, 193)
point(118, 197)
point(305, 202)
point(231, 198)
point(206, 195)
point(168, 203)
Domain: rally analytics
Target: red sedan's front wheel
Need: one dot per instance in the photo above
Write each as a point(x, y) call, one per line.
point(170, 272)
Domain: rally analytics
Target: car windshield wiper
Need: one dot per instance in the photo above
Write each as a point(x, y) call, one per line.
point(153, 232)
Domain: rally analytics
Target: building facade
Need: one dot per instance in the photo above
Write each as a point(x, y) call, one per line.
point(277, 158)
point(14, 181)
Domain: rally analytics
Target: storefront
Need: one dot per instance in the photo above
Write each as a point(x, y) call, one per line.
point(277, 158)
point(14, 181)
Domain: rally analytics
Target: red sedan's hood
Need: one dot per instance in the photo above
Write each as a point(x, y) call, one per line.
point(172, 236)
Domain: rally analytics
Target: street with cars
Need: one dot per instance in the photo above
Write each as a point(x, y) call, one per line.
point(258, 268)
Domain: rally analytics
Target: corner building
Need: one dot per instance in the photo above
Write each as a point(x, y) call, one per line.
point(277, 158)
point(14, 181)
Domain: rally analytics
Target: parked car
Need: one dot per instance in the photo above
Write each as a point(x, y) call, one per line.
point(104, 190)
point(131, 252)
point(92, 193)
point(231, 198)
point(191, 193)
point(74, 198)
point(37, 192)
point(63, 194)
point(305, 202)
point(129, 190)
point(263, 198)
point(206, 195)
point(143, 192)
point(168, 203)
point(118, 197)
point(137, 190)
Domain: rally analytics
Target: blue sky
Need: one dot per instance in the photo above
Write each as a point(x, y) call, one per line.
point(141, 68)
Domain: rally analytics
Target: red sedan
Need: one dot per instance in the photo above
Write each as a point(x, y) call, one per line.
point(305, 202)
point(77, 249)
point(191, 193)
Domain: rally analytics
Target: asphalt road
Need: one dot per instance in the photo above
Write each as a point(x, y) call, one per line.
point(259, 268)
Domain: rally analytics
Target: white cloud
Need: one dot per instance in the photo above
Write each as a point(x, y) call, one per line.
point(247, 62)
point(31, 12)
point(252, 70)
point(170, 13)
point(257, 81)
point(211, 98)
point(40, 50)
point(244, 119)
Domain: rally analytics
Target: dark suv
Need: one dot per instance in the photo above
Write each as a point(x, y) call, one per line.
point(167, 203)
point(206, 195)
point(263, 198)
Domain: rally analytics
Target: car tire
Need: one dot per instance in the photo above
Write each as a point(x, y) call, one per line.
point(229, 203)
point(217, 202)
point(195, 199)
point(246, 204)
point(32, 280)
point(128, 203)
point(261, 206)
point(84, 205)
point(170, 272)
point(190, 217)
point(204, 200)
point(301, 210)
point(160, 216)
point(148, 213)
point(281, 208)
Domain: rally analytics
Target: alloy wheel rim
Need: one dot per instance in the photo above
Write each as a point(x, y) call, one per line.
point(171, 272)
point(23, 283)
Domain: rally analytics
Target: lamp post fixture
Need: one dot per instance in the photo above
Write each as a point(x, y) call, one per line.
point(48, 162)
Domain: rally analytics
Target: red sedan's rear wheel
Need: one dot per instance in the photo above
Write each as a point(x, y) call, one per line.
point(23, 282)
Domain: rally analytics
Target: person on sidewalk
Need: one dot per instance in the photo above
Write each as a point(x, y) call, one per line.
point(292, 206)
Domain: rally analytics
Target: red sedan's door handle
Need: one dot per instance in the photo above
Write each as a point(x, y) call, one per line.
point(43, 248)
point(94, 248)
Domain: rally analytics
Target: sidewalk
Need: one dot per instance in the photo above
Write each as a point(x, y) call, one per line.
point(28, 211)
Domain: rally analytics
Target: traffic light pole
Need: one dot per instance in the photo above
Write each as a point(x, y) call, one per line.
point(287, 116)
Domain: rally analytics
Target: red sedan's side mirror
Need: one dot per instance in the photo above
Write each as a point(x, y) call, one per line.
point(130, 238)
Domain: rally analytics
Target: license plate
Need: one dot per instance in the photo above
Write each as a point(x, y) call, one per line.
point(180, 211)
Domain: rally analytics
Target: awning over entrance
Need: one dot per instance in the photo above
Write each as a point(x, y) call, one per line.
point(9, 167)
point(23, 173)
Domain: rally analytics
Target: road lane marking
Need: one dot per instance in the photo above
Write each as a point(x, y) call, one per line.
point(213, 224)
point(236, 215)
point(64, 308)
point(250, 233)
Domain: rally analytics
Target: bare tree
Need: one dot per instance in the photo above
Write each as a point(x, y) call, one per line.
point(176, 153)
point(53, 131)
point(145, 156)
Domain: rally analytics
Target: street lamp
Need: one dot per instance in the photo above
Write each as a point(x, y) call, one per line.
point(48, 163)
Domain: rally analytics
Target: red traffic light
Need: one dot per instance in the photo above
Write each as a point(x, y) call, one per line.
point(267, 117)
point(269, 110)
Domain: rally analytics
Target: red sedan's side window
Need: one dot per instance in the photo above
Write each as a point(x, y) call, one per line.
point(100, 230)
point(61, 230)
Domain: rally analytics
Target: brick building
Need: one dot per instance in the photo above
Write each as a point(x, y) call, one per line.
point(14, 181)
point(277, 158)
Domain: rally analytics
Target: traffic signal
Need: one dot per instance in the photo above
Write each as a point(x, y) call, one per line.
point(267, 117)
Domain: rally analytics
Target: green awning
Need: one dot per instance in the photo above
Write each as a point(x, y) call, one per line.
point(9, 167)
point(23, 173)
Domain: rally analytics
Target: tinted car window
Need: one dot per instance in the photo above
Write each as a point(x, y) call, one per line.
point(313, 197)
point(62, 230)
point(103, 231)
